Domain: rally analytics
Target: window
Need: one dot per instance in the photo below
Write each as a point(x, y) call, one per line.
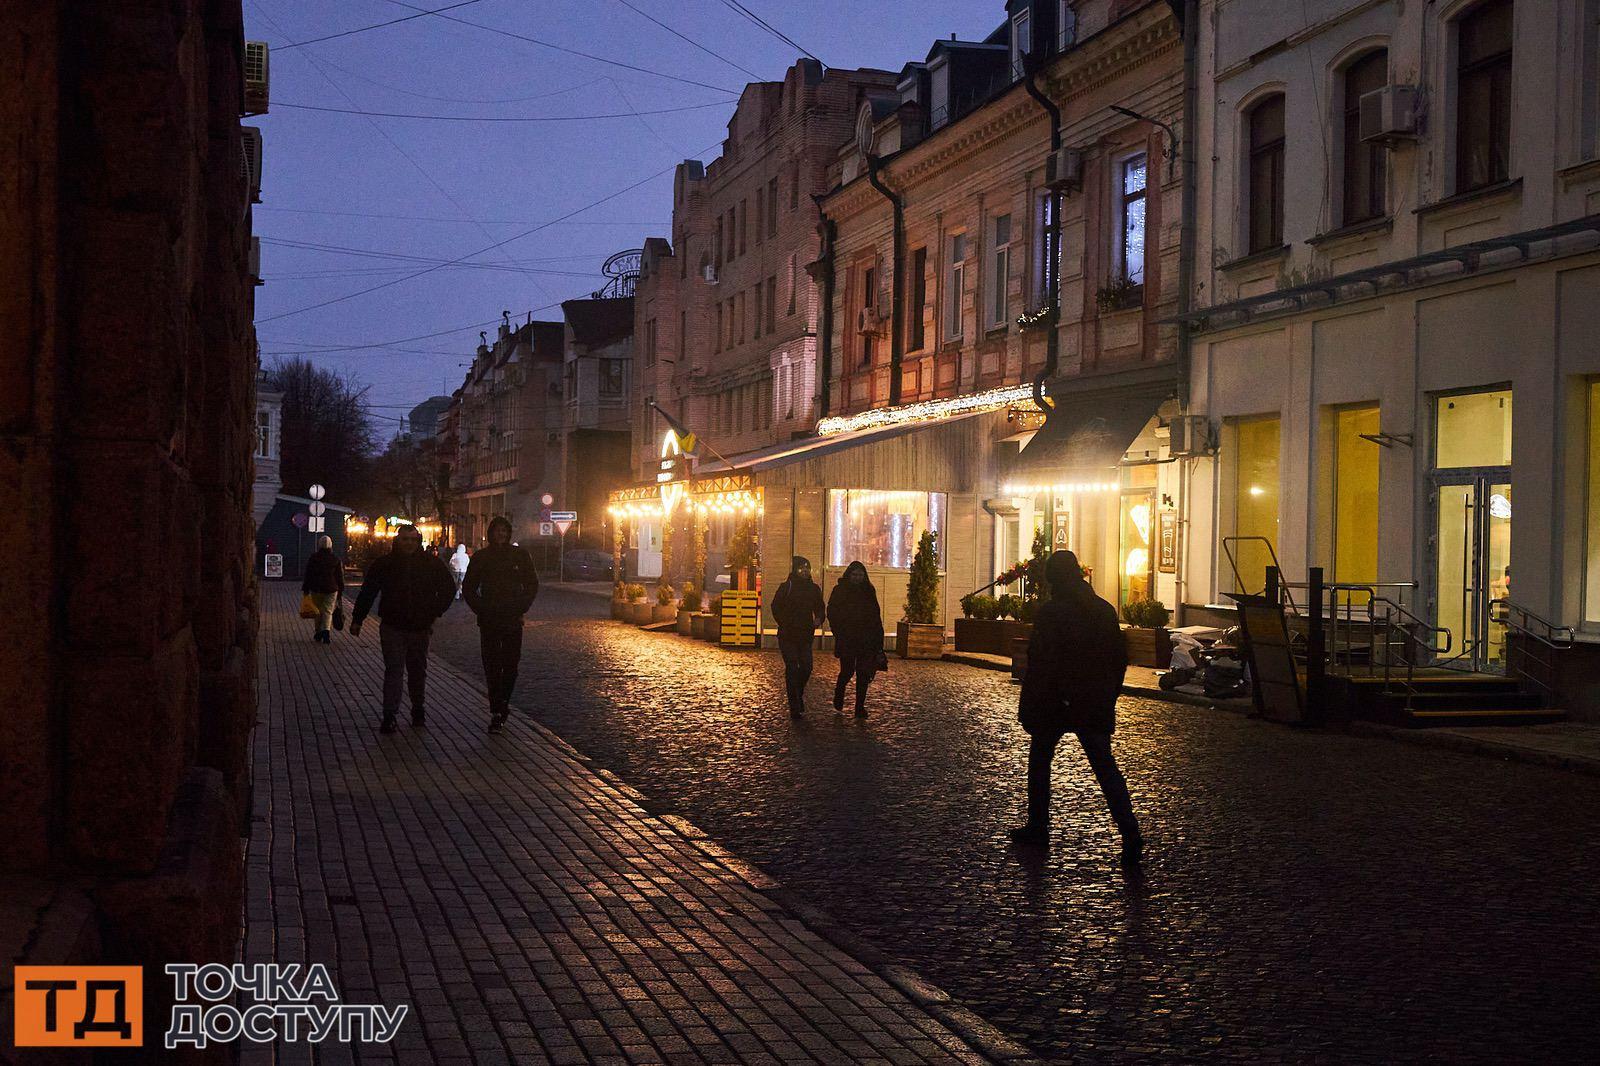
point(733, 225)
point(761, 210)
point(956, 284)
point(772, 206)
point(741, 312)
point(919, 298)
point(612, 375)
point(869, 292)
point(683, 334)
point(1255, 511)
point(650, 343)
point(1265, 123)
point(794, 281)
point(719, 244)
point(1472, 429)
point(755, 332)
point(683, 256)
point(1047, 256)
point(719, 327)
point(1021, 42)
point(1591, 547)
point(1066, 25)
point(999, 269)
point(772, 303)
point(1365, 174)
point(1483, 95)
point(939, 94)
point(572, 381)
point(1355, 495)
point(794, 189)
point(263, 434)
point(744, 225)
point(1130, 245)
point(881, 529)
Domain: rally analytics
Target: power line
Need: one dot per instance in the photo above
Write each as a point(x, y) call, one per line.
point(496, 118)
point(573, 51)
point(690, 40)
point(374, 26)
point(438, 218)
point(470, 255)
point(734, 5)
point(456, 99)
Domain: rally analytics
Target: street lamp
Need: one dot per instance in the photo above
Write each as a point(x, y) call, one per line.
point(1171, 152)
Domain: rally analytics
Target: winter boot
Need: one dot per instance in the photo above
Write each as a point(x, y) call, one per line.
point(388, 725)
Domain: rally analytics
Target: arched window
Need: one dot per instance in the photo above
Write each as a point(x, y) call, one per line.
point(1365, 165)
point(1264, 124)
point(1483, 95)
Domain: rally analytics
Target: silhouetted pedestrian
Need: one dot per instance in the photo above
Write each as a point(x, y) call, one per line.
point(857, 623)
point(412, 590)
point(323, 582)
point(458, 566)
point(1076, 659)
point(499, 587)
point(797, 608)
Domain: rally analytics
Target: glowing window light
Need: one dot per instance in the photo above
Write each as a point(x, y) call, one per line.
point(1137, 562)
point(926, 410)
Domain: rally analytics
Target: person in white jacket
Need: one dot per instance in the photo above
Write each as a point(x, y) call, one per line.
point(458, 566)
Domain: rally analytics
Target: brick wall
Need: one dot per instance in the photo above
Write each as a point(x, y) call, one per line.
point(127, 599)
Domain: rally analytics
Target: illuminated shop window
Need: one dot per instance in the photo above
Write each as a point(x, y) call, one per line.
point(1255, 497)
point(881, 528)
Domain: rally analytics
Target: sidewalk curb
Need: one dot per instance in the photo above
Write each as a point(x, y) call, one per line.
point(981, 663)
point(983, 1038)
point(1428, 738)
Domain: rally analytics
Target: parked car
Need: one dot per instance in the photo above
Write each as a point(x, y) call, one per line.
point(587, 564)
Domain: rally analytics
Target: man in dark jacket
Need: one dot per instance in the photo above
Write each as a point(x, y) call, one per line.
point(412, 590)
point(857, 624)
point(324, 583)
point(797, 608)
point(1076, 659)
point(499, 588)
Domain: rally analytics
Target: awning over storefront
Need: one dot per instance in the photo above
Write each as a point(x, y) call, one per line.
point(1089, 432)
point(808, 448)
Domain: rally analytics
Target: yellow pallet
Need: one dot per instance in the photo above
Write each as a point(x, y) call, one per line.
point(741, 619)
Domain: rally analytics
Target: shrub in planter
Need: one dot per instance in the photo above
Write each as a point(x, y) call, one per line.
point(920, 635)
point(980, 606)
point(1009, 606)
point(664, 594)
point(691, 599)
point(1147, 640)
point(1146, 614)
point(633, 593)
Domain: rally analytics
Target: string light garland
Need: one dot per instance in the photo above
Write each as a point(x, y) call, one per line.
point(1068, 489)
point(927, 410)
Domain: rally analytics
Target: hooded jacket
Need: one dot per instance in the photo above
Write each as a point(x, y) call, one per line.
point(855, 616)
point(797, 605)
point(411, 591)
point(500, 585)
point(1076, 659)
point(460, 560)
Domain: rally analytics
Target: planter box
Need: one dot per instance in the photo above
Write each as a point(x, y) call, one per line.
point(988, 636)
point(913, 640)
point(1019, 654)
point(619, 610)
point(699, 625)
point(685, 621)
point(638, 612)
point(1148, 647)
point(663, 612)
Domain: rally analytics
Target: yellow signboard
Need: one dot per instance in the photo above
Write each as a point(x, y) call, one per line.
point(741, 618)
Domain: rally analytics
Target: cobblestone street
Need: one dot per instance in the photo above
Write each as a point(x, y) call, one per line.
point(1306, 895)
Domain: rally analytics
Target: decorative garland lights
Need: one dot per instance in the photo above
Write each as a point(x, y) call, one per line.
point(927, 410)
point(736, 501)
point(1059, 490)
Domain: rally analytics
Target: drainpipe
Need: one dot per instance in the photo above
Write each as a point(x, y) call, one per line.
point(1189, 17)
point(1052, 343)
point(830, 232)
point(896, 341)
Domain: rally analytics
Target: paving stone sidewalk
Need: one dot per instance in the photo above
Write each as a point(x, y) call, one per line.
point(527, 908)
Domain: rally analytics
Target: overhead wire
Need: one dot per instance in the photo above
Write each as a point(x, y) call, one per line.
point(496, 118)
point(691, 41)
point(438, 218)
point(374, 26)
point(734, 5)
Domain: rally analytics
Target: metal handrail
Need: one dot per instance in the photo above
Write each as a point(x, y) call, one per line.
point(1227, 549)
point(1399, 625)
point(1552, 637)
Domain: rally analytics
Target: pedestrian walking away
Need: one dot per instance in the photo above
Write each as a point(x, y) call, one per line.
point(458, 566)
point(324, 583)
point(411, 590)
point(857, 623)
point(499, 587)
point(1076, 660)
point(797, 608)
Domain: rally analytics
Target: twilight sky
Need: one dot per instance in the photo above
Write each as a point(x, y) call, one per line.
point(352, 201)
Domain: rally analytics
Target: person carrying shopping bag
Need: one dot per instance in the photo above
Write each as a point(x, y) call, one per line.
point(324, 584)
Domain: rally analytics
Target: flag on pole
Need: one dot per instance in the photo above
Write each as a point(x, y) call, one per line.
point(686, 437)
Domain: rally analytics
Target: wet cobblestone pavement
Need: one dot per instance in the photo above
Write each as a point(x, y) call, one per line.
point(1306, 896)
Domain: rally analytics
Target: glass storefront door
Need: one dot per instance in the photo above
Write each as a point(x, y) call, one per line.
point(1473, 553)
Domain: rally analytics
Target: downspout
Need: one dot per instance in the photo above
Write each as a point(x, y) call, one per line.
point(830, 232)
point(896, 341)
point(1052, 343)
point(1189, 19)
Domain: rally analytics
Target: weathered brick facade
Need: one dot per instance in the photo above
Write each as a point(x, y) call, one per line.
point(127, 375)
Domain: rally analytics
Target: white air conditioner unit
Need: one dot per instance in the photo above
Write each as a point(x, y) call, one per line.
point(709, 272)
point(254, 266)
point(251, 142)
point(1063, 168)
point(256, 96)
point(1389, 114)
point(1191, 435)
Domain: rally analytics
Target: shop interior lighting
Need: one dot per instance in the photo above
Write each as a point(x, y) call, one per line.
point(1069, 489)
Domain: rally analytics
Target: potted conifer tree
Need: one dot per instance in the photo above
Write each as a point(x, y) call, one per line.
point(920, 634)
point(1148, 640)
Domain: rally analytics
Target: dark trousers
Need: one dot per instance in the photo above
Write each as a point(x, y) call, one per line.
point(1097, 747)
point(405, 659)
point(861, 667)
point(502, 652)
point(796, 668)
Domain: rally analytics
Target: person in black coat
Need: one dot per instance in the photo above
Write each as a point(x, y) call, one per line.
point(797, 608)
point(324, 583)
point(1076, 659)
point(857, 623)
point(499, 587)
point(411, 590)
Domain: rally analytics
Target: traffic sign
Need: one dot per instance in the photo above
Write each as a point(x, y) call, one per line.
point(547, 499)
point(318, 525)
point(316, 492)
point(547, 529)
point(299, 519)
point(317, 508)
point(563, 524)
point(564, 516)
point(274, 565)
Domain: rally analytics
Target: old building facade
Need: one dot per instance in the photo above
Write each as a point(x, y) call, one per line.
point(1394, 335)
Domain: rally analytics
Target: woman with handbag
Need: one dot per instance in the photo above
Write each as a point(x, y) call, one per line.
point(322, 585)
point(857, 623)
